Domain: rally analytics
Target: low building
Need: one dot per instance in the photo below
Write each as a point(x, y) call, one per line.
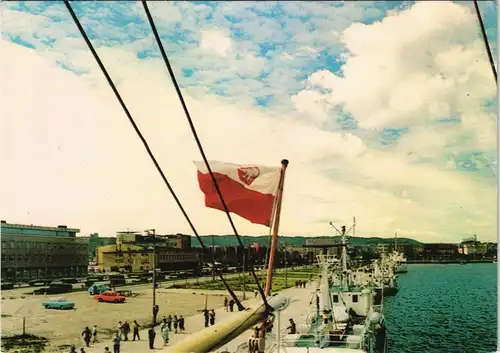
point(37, 252)
point(473, 247)
point(133, 252)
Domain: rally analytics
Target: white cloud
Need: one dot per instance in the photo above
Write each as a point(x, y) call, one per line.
point(215, 41)
point(397, 75)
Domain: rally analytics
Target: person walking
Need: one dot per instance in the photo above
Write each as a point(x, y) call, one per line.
point(156, 310)
point(87, 334)
point(181, 324)
point(231, 305)
point(126, 330)
point(121, 330)
point(94, 334)
point(206, 316)
point(225, 303)
point(116, 343)
point(169, 322)
point(212, 317)
point(151, 337)
point(136, 331)
point(164, 335)
point(176, 323)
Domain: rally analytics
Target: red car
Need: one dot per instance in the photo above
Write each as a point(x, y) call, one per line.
point(110, 297)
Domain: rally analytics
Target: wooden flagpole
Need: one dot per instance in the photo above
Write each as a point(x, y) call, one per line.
point(276, 223)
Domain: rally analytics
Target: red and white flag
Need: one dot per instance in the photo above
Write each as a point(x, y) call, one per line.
point(248, 190)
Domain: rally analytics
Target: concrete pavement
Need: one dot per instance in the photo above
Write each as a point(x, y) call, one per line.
point(299, 298)
point(299, 301)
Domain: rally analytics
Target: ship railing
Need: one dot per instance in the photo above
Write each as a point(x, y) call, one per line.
point(344, 341)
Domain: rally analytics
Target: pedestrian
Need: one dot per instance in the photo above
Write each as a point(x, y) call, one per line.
point(94, 334)
point(156, 310)
point(206, 316)
point(225, 303)
point(136, 331)
point(151, 337)
point(87, 334)
point(121, 330)
point(176, 323)
point(164, 335)
point(82, 350)
point(106, 350)
point(126, 330)
point(169, 322)
point(231, 305)
point(255, 293)
point(292, 329)
point(73, 350)
point(116, 343)
point(181, 324)
point(212, 317)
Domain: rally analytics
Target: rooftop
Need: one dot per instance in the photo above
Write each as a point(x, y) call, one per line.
point(31, 226)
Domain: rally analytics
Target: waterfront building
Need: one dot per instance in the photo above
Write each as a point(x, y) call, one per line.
point(133, 252)
point(38, 252)
point(440, 250)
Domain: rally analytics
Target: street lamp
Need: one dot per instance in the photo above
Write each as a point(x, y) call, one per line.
point(286, 268)
point(155, 310)
point(213, 258)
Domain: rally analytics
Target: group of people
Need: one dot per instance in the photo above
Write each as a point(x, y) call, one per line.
point(166, 327)
point(228, 305)
point(209, 316)
point(300, 284)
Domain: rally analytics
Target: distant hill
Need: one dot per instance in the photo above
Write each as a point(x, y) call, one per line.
point(298, 241)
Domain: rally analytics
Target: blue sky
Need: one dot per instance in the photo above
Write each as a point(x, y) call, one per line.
point(373, 99)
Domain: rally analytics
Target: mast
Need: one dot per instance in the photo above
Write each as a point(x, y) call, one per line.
point(276, 222)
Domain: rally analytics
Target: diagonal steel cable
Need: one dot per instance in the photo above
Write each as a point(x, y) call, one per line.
point(198, 142)
point(146, 146)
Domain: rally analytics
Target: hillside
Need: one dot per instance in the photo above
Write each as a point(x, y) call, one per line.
point(298, 241)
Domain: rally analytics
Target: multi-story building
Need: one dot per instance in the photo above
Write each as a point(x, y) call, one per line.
point(134, 253)
point(35, 252)
point(440, 250)
point(383, 248)
point(179, 241)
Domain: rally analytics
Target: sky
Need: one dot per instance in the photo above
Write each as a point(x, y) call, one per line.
point(385, 110)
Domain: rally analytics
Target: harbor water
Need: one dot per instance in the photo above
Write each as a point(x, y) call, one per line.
point(444, 309)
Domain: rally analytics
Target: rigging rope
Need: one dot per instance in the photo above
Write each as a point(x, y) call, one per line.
point(486, 43)
point(198, 142)
point(146, 146)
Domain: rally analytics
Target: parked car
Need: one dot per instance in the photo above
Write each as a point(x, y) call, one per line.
point(110, 297)
point(58, 303)
point(58, 287)
point(40, 282)
point(7, 285)
point(69, 280)
point(40, 291)
point(98, 289)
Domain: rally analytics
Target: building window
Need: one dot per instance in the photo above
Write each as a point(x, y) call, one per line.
point(354, 298)
point(335, 298)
